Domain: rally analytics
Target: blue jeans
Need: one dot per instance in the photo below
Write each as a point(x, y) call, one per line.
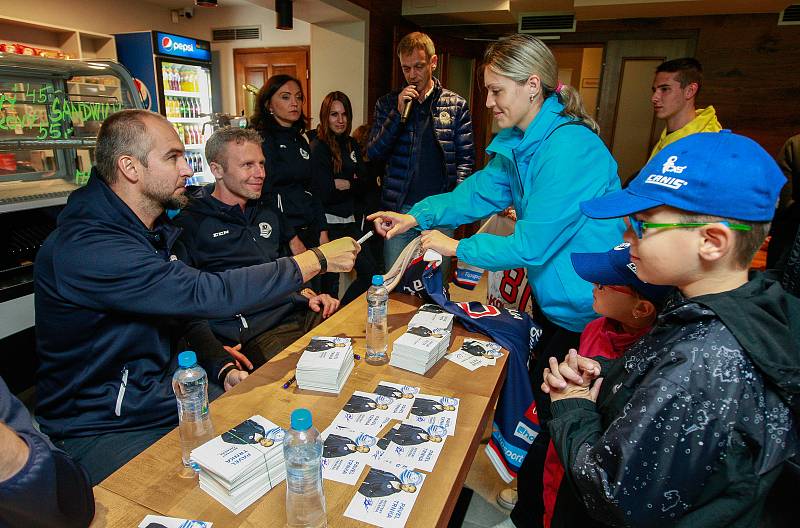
point(395, 245)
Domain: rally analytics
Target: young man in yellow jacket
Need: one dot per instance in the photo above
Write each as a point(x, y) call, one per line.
point(675, 87)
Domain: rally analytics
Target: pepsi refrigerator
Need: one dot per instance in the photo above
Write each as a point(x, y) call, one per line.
point(173, 76)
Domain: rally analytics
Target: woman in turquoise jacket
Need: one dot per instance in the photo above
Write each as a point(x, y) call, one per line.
point(545, 161)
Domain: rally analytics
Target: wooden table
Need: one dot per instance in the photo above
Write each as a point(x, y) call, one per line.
point(152, 481)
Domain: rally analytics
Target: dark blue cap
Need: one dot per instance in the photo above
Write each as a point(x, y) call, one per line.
point(710, 173)
point(301, 419)
point(187, 359)
point(615, 268)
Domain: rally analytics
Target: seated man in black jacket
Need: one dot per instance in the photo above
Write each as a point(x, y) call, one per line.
point(230, 225)
point(112, 287)
point(39, 485)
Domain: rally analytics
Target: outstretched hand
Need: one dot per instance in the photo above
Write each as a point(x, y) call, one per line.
point(389, 224)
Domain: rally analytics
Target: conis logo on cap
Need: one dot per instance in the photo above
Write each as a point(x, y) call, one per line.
point(671, 182)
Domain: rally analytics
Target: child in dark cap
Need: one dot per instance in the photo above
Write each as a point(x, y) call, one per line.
point(693, 425)
point(628, 308)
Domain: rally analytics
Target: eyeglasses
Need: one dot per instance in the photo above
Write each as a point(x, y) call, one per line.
point(639, 226)
point(620, 289)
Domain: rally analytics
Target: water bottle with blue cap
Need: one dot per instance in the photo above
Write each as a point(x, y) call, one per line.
point(302, 449)
point(377, 322)
point(190, 384)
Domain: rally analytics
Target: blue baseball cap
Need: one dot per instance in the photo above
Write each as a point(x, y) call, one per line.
point(615, 268)
point(709, 173)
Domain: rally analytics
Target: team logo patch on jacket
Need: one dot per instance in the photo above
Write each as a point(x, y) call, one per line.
point(445, 118)
point(304, 153)
point(264, 229)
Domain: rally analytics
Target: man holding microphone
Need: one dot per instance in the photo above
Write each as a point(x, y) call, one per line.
point(423, 133)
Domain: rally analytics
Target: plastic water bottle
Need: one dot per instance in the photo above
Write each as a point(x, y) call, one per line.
point(302, 450)
point(190, 384)
point(377, 329)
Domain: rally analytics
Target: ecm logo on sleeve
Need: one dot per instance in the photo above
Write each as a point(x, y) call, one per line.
point(671, 182)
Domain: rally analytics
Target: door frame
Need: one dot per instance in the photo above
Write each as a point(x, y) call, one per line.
point(238, 72)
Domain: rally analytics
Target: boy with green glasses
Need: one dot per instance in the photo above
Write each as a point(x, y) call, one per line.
point(692, 426)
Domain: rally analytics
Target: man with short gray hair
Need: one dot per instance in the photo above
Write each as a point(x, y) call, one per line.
point(113, 292)
point(229, 225)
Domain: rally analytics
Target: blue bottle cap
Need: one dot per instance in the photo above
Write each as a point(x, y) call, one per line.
point(187, 359)
point(301, 419)
point(377, 280)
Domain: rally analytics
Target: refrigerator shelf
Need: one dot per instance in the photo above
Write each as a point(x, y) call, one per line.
point(196, 146)
point(187, 119)
point(176, 93)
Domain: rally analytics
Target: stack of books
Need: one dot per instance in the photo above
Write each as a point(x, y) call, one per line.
point(241, 465)
point(425, 342)
point(325, 364)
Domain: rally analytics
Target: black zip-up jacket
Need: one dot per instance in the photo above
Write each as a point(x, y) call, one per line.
point(694, 423)
point(51, 489)
point(221, 237)
point(334, 201)
point(288, 167)
point(392, 142)
point(106, 292)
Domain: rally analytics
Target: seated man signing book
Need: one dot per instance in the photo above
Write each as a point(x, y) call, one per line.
point(232, 224)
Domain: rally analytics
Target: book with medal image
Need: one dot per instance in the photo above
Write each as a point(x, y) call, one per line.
point(436, 410)
point(475, 353)
point(159, 521)
point(432, 316)
point(240, 465)
point(414, 445)
point(365, 412)
point(386, 496)
point(403, 396)
point(345, 453)
point(325, 364)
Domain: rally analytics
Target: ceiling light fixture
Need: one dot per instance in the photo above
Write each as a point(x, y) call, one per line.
point(283, 14)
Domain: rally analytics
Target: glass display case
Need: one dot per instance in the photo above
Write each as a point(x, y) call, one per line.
point(50, 113)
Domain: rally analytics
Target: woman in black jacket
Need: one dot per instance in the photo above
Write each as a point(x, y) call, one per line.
point(279, 119)
point(339, 176)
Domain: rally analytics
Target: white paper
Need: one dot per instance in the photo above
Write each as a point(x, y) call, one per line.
point(172, 522)
point(346, 453)
point(403, 396)
point(466, 360)
point(435, 410)
point(414, 445)
point(365, 412)
point(386, 496)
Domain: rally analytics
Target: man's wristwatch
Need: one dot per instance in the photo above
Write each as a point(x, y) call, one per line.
point(323, 262)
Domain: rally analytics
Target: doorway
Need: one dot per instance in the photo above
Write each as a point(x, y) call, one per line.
point(625, 114)
point(255, 65)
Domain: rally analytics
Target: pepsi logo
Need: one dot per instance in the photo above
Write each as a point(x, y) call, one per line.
point(144, 93)
point(166, 42)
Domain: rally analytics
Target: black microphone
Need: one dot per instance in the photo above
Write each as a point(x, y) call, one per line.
point(406, 111)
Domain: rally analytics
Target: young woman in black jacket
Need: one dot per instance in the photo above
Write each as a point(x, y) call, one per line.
point(279, 119)
point(339, 177)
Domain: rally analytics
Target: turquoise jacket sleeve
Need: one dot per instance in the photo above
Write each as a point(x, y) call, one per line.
point(573, 167)
point(484, 193)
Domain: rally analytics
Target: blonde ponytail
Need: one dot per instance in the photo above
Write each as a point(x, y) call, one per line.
point(573, 106)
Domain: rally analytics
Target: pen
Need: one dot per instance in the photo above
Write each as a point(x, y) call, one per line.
point(289, 383)
point(365, 238)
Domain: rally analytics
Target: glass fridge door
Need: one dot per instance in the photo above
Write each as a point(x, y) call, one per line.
point(187, 105)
